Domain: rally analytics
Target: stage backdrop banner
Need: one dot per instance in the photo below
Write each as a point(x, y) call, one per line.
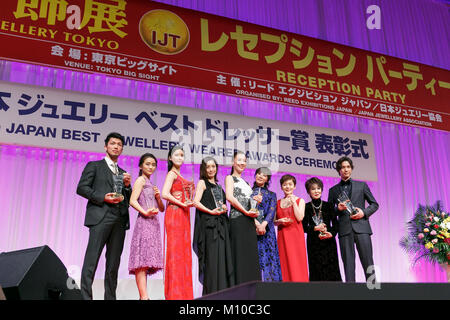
point(55, 118)
point(151, 41)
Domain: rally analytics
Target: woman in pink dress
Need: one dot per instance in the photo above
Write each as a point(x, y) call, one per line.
point(177, 225)
point(146, 249)
point(291, 238)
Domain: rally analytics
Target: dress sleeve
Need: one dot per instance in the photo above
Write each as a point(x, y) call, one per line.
point(308, 227)
point(85, 186)
point(271, 207)
point(373, 204)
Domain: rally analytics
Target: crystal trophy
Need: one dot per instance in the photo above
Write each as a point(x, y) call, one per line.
point(343, 198)
point(118, 185)
point(254, 204)
point(188, 189)
point(218, 196)
point(317, 219)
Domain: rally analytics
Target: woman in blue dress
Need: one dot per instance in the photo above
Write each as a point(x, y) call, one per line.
point(269, 259)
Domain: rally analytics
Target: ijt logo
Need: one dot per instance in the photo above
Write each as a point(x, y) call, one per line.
point(374, 20)
point(164, 31)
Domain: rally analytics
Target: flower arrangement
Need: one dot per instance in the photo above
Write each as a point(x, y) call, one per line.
point(428, 235)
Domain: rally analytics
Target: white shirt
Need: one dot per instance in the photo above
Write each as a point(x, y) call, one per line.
point(112, 165)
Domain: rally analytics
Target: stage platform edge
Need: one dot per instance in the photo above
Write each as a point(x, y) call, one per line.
point(258, 290)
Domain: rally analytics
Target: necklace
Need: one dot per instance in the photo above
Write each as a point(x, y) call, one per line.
point(317, 208)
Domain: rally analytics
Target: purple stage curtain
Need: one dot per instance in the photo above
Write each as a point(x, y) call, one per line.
point(39, 204)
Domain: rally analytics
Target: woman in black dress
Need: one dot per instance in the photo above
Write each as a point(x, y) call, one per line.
point(211, 232)
point(320, 224)
point(244, 241)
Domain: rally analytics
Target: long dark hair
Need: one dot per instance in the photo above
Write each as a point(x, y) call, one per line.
point(171, 152)
point(203, 173)
point(143, 158)
point(267, 172)
point(234, 157)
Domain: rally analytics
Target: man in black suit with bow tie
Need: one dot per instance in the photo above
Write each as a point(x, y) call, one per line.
point(106, 216)
point(353, 229)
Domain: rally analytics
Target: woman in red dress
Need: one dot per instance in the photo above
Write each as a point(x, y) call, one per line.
point(291, 238)
point(177, 225)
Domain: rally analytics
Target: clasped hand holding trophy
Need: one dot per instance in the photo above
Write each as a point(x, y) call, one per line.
point(124, 180)
point(119, 180)
point(221, 208)
point(285, 203)
point(345, 204)
point(255, 200)
point(321, 227)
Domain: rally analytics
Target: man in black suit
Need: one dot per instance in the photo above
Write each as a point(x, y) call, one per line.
point(106, 216)
point(353, 229)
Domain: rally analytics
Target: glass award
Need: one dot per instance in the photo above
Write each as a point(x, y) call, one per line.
point(343, 198)
point(118, 185)
point(317, 219)
point(188, 189)
point(254, 204)
point(217, 195)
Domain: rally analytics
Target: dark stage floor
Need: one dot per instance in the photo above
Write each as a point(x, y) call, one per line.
point(333, 291)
